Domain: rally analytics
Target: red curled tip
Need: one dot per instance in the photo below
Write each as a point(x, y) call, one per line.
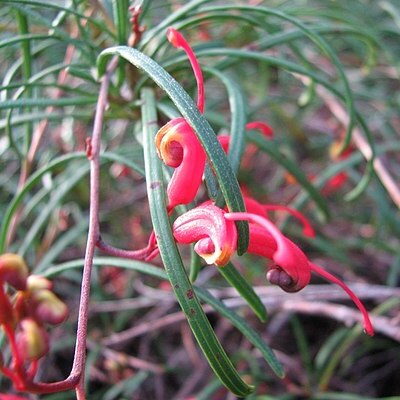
point(369, 330)
point(178, 41)
point(264, 128)
point(174, 37)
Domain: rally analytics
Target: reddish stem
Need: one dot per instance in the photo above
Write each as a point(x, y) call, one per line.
point(140, 254)
point(18, 363)
point(32, 370)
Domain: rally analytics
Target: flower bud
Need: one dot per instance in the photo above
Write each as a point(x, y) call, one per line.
point(32, 340)
point(36, 282)
point(13, 270)
point(48, 308)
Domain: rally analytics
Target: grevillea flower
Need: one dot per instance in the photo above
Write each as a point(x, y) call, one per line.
point(177, 144)
point(291, 269)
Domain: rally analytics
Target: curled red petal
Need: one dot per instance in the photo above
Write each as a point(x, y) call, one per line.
point(178, 146)
point(216, 237)
point(177, 40)
point(325, 274)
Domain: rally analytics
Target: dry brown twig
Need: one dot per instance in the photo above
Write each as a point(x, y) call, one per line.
point(312, 300)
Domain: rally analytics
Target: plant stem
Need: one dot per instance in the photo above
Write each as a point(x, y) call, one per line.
point(93, 233)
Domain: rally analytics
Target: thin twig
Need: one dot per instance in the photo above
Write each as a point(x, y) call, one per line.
point(78, 366)
point(126, 360)
point(311, 300)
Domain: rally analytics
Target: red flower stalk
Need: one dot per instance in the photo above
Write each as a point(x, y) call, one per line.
point(215, 234)
point(177, 144)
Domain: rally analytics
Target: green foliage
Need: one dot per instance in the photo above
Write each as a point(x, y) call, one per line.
point(322, 74)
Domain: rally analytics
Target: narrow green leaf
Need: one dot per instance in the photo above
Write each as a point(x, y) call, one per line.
point(247, 331)
point(70, 10)
point(174, 16)
point(216, 156)
point(68, 181)
point(120, 11)
point(236, 280)
point(172, 261)
point(24, 38)
point(320, 42)
point(35, 178)
point(44, 102)
point(195, 265)
point(238, 121)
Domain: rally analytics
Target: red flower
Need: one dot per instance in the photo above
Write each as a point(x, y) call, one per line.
point(177, 144)
point(215, 235)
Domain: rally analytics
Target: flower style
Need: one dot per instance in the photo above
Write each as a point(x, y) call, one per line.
point(291, 269)
point(177, 144)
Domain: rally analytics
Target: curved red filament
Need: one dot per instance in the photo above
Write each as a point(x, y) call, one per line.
point(178, 41)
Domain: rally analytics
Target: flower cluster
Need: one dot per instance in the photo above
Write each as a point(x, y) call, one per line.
point(213, 229)
point(27, 306)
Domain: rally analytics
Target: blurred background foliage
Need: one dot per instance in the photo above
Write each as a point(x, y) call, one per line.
point(307, 68)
